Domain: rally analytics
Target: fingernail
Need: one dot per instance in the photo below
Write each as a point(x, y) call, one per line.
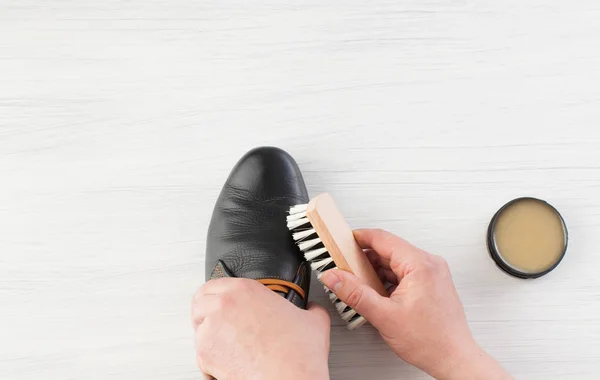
point(331, 280)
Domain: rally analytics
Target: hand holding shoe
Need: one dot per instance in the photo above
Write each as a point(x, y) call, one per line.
point(245, 331)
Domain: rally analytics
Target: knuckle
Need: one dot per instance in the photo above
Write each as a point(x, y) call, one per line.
point(429, 266)
point(439, 263)
point(244, 284)
point(195, 316)
point(223, 301)
point(434, 266)
point(354, 297)
point(442, 263)
point(196, 297)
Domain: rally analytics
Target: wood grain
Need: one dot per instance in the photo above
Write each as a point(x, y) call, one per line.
point(337, 237)
point(120, 120)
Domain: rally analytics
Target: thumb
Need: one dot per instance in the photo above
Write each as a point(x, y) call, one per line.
point(360, 297)
point(319, 312)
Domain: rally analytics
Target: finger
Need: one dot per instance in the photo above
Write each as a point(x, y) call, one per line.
point(376, 259)
point(200, 338)
point(382, 269)
point(400, 253)
point(373, 257)
point(383, 242)
point(218, 285)
point(205, 306)
point(207, 351)
point(319, 312)
point(354, 293)
point(387, 275)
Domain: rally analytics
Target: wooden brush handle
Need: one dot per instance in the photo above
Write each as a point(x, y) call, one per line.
point(339, 241)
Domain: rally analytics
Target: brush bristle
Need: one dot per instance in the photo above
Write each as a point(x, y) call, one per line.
point(314, 251)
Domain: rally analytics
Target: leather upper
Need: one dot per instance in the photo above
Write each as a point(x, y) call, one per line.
point(248, 236)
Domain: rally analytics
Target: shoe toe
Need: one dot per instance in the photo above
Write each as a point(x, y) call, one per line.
point(267, 174)
point(248, 232)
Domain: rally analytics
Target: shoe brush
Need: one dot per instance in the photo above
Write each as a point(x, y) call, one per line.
point(327, 242)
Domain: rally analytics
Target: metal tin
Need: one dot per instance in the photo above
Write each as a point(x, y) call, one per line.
point(497, 257)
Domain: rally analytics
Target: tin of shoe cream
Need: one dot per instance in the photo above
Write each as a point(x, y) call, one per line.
point(527, 238)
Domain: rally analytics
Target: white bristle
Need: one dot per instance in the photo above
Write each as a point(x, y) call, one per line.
point(348, 315)
point(311, 255)
point(298, 220)
point(340, 306)
point(319, 265)
point(332, 296)
point(297, 223)
point(298, 208)
point(357, 323)
point(306, 245)
point(297, 216)
point(303, 234)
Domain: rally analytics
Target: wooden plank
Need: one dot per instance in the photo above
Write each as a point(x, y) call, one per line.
point(119, 122)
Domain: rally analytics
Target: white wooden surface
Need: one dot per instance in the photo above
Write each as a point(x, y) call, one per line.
point(120, 120)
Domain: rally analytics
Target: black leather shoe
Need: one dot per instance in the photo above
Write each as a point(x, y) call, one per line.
point(248, 235)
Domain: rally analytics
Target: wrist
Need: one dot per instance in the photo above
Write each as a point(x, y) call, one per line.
point(475, 364)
